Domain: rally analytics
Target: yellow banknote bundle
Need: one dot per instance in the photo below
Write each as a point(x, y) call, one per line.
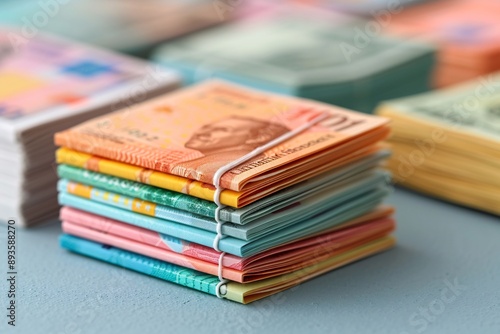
point(447, 143)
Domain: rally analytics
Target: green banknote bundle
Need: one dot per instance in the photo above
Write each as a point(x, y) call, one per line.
point(308, 53)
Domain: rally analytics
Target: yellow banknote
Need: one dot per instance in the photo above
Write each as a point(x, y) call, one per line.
point(251, 193)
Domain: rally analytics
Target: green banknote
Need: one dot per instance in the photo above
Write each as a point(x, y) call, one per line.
point(327, 57)
point(319, 205)
point(203, 208)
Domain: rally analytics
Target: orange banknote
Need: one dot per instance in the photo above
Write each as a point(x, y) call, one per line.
point(193, 132)
point(252, 192)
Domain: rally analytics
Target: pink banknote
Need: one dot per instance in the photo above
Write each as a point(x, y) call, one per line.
point(276, 261)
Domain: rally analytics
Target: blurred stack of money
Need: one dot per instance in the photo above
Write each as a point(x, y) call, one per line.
point(46, 85)
point(143, 181)
point(447, 143)
point(308, 53)
point(466, 31)
point(124, 25)
point(361, 7)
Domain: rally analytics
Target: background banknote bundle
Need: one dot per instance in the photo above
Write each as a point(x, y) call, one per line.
point(305, 52)
point(46, 85)
point(360, 7)
point(467, 33)
point(447, 143)
point(141, 189)
point(125, 25)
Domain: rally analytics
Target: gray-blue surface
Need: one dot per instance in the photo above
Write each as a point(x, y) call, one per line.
point(443, 277)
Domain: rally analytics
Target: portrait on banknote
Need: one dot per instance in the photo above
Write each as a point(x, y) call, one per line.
point(226, 140)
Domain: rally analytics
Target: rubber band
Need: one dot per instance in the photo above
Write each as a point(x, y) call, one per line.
point(221, 288)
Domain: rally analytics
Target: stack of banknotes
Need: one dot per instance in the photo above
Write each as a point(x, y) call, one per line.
point(46, 85)
point(447, 142)
point(148, 189)
point(361, 7)
point(124, 25)
point(305, 52)
point(466, 31)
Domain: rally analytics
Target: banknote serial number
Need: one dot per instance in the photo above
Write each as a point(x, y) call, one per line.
point(11, 272)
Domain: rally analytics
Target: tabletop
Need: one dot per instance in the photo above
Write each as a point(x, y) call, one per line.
point(442, 277)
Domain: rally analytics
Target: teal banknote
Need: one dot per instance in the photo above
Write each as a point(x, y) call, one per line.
point(318, 203)
point(348, 209)
point(238, 292)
